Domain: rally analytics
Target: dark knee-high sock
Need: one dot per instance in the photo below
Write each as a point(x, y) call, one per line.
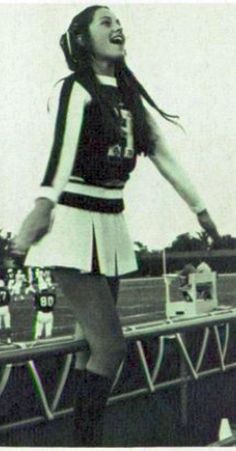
point(91, 398)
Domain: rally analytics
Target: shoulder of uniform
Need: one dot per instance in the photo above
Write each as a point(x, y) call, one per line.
point(82, 91)
point(71, 82)
point(65, 86)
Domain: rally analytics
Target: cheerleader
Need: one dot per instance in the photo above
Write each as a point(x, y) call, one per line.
point(77, 224)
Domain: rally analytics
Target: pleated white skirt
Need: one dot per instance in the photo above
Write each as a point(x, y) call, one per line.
point(69, 243)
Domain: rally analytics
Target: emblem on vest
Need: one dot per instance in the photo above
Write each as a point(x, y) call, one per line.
point(126, 148)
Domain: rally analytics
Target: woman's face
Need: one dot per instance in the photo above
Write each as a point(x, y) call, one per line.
point(107, 38)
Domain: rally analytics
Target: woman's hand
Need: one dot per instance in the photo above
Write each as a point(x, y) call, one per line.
point(208, 225)
point(34, 227)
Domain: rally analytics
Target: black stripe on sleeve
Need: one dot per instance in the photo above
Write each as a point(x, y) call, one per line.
point(59, 132)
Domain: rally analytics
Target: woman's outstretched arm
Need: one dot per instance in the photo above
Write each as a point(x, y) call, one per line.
point(176, 175)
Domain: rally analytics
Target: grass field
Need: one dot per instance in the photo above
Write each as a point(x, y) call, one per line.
point(140, 300)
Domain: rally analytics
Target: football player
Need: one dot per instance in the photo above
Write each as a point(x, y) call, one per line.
point(45, 300)
point(5, 316)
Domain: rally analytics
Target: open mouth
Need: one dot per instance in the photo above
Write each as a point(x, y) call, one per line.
point(119, 40)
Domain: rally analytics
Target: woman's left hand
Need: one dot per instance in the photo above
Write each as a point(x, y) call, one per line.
point(208, 225)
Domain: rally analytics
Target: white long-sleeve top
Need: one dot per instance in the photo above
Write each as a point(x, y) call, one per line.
point(172, 170)
point(65, 157)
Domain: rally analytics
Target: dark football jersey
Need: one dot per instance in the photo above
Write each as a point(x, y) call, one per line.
point(45, 301)
point(4, 297)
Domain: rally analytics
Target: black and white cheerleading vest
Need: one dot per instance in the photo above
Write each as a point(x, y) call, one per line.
point(97, 162)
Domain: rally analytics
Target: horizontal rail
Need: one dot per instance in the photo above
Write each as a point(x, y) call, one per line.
point(168, 326)
point(35, 420)
point(168, 384)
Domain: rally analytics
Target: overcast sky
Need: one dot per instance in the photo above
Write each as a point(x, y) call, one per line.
point(184, 54)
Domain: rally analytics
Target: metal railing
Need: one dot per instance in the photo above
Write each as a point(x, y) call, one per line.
point(217, 324)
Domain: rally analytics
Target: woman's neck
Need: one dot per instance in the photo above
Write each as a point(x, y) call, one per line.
point(104, 68)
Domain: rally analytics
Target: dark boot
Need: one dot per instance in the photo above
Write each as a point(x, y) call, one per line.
point(91, 398)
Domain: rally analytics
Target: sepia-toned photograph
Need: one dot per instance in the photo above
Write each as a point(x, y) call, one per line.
point(117, 224)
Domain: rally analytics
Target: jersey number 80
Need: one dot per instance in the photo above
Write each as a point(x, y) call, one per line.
point(47, 301)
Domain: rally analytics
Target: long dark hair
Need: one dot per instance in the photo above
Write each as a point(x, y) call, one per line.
point(78, 56)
